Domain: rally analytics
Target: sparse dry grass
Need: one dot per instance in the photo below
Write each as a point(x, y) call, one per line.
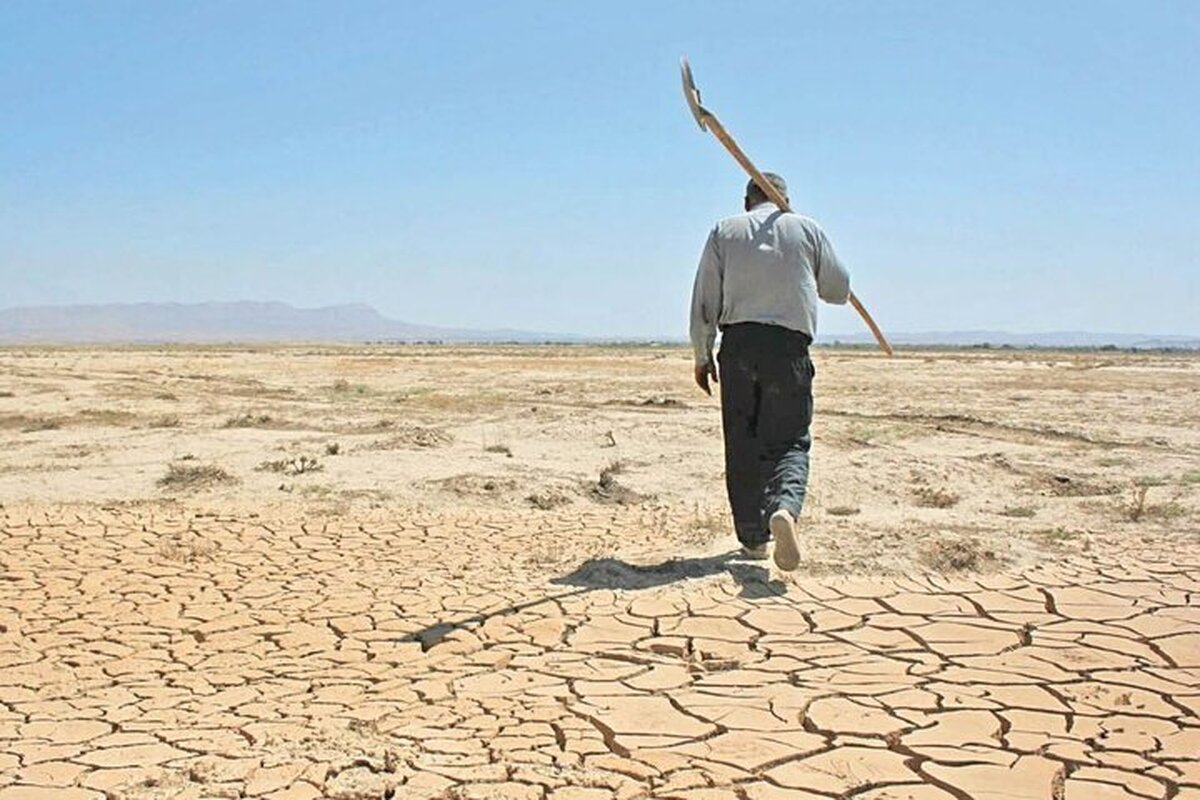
point(249, 420)
point(1019, 512)
point(1137, 507)
point(195, 476)
point(929, 497)
point(548, 499)
point(958, 555)
point(1056, 536)
point(297, 465)
point(36, 424)
point(843, 511)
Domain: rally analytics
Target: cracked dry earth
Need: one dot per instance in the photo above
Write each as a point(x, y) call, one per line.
point(397, 575)
point(149, 655)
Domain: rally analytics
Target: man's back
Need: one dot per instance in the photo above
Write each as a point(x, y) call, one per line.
point(764, 266)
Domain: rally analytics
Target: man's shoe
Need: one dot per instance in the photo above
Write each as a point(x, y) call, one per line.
point(787, 548)
point(756, 553)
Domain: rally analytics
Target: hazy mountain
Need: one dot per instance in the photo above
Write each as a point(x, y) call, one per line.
point(1140, 341)
point(228, 322)
point(144, 323)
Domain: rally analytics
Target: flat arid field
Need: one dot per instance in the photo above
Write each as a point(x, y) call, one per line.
point(508, 572)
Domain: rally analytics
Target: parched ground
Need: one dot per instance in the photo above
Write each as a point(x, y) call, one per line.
point(507, 573)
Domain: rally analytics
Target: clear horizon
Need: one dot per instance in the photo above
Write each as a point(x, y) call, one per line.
point(534, 167)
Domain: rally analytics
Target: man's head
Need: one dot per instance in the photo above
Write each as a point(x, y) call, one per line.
point(755, 195)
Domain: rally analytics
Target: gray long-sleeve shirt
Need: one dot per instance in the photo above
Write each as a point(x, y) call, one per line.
point(764, 266)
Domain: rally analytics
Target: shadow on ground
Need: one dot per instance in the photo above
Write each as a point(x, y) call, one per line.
point(613, 573)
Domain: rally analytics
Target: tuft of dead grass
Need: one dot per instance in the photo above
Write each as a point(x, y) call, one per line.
point(249, 421)
point(1068, 486)
point(1056, 537)
point(548, 499)
point(413, 436)
point(1137, 507)
point(928, 497)
point(843, 511)
point(476, 485)
point(1019, 512)
point(195, 476)
point(297, 465)
point(188, 548)
point(608, 489)
point(958, 555)
point(41, 424)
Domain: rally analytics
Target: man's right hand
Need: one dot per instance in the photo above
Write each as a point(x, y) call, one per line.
point(703, 373)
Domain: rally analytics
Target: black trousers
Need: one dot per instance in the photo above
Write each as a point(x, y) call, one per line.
point(766, 411)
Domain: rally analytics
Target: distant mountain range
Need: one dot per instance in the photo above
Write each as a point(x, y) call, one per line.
point(146, 323)
point(154, 323)
point(1063, 339)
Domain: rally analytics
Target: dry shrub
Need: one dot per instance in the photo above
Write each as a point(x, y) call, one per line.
point(41, 424)
point(476, 485)
point(413, 436)
point(1018, 512)
point(843, 511)
point(1137, 503)
point(165, 421)
point(706, 526)
point(188, 548)
point(649, 402)
point(195, 476)
point(342, 386)
point(104, 416)
point(298, 465)
point(501, 449)
point(1056, 537)
point(249, 421)
point(7, 394)
point(548, 500)
point(927, 497)
point(609, 490)
point(1066, 486)
point(957, 555)
point(1138, 507)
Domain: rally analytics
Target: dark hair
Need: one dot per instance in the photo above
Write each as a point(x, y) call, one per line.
point(754, 193)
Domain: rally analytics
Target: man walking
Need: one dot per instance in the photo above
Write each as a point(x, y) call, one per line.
point(758, 281)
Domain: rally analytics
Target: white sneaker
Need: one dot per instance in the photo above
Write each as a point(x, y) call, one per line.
point(787, 548)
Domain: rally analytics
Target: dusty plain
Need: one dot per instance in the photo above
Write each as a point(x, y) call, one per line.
point(507, 572)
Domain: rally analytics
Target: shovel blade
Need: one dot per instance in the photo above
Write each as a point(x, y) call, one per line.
point(691, 93)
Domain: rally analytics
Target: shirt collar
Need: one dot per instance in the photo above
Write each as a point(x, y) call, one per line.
point(765, 204)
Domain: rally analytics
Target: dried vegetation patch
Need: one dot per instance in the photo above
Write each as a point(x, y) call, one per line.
point(297, 465)
point(607, 489)
point(929, 497)
point(958, 555)
point(190, 477)
point(411, 437)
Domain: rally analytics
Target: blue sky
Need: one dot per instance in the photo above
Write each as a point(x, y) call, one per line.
point(1021, 166)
